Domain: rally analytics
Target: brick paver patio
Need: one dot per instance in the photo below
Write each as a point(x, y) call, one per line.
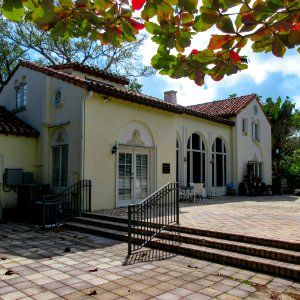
point(62, 264)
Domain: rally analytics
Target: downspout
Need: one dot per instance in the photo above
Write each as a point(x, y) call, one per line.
point(84, 100)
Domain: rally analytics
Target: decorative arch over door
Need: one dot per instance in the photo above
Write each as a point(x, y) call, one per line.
point(219, 163)
point(196, 159)
point(135, 164)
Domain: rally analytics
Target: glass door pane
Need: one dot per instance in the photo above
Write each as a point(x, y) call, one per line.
point(141, 177)
point(125, 177)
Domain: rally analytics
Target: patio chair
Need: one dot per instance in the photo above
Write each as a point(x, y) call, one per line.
point(199, 191)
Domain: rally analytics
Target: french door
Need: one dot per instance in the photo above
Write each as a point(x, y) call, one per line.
point(133, 176)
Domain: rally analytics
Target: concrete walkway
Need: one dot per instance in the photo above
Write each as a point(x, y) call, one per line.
point(273, 217)
point(62, 264)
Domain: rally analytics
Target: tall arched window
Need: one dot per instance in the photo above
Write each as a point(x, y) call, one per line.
point(219, 163)
point(60, 157)
point(195, 159)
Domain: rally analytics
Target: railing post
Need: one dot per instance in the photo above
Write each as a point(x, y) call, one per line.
point(129, 229)
point(177, 203)
point(90, 196)
point(44, 211)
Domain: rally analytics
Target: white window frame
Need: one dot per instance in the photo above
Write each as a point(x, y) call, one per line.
point(21, 96)
point(256, 131)
point(61, 166)
point(245, 126)
point(257, 169)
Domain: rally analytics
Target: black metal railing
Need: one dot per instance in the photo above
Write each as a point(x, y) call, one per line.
point(68, 203)
point(148, 218)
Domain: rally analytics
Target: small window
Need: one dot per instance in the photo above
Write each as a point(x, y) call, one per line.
point(21, 96)
point(255, 109)
point(245, 126)
point(58, 97)
point(255, 131)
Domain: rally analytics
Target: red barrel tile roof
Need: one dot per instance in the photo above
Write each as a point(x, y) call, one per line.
point(224, 108)
point(12, 125)
point(92, 71)
point(124, 95)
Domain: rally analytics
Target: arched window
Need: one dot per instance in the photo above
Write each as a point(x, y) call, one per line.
point(219, 163)
point(195, 159)
point(60, 159)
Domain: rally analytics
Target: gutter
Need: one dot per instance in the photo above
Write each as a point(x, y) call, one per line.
point(84, 100)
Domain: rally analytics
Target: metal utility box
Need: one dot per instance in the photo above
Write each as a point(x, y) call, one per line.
point(28, 194)
point(13, 177)
point(27, 178)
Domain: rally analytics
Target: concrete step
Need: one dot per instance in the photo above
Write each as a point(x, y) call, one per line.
point(250, 262)
point(221, 243)
point(288, 256)
point(235, 250)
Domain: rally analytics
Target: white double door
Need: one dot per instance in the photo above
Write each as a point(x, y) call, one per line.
point(133, 175)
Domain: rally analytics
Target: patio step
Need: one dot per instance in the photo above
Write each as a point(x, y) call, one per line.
point(247, 252)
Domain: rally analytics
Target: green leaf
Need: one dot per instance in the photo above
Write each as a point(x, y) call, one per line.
point(278, 48)
point(13, 10)
point(294, 38)
point(242, 66)
point(128, 31)
point(205, 56)
point(154, 28)
point(224, 23)
point(149, 11)
point(275, 4)
point(218, 72)
point(162, 60)
point(204, 21)
point(188, 5)
point(178, 71)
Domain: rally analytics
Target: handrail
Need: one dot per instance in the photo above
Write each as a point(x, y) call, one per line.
point(152, 215)
point(68, 203)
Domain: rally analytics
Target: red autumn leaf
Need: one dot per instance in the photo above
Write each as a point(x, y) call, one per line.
point(296, 27)
point(248, 19)
point(10, 272)
point(136, 24)
point(234, 55)
point(217, 41)
point(138, 4)
point(93, 292)
point(194, 51)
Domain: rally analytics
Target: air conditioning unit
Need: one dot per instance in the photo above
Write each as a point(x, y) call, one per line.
point(13, 177)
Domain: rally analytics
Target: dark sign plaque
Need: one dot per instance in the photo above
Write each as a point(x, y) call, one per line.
point(166, 168)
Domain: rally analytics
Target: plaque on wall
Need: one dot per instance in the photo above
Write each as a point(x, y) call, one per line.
point(166, 168)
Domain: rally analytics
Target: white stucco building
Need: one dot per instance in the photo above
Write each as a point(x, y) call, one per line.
point(128, 144)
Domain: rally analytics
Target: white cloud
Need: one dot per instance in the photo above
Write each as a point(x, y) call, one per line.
point(261, 66)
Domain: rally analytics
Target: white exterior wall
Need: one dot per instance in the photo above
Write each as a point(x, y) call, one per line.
point(106, 120)
point(104, 124)
point(43, 115)
point(248, 149)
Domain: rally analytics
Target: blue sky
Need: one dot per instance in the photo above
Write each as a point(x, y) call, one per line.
point(267, 76)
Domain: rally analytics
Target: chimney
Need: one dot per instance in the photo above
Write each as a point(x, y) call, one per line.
point(170, 97)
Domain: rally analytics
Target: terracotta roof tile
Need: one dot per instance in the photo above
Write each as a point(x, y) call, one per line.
point(124, 95)
point(12, 125)
point(92, 71)
point(224, 108)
